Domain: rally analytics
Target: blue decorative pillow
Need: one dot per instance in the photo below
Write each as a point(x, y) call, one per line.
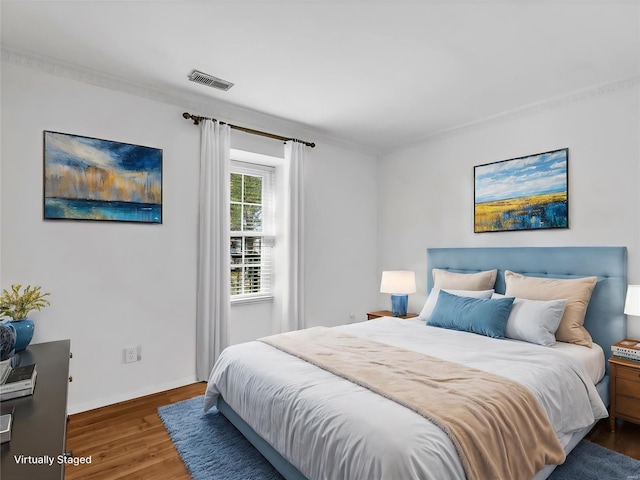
point(476, 315)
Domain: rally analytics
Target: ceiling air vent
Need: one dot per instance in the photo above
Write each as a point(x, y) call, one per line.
point(210, 80)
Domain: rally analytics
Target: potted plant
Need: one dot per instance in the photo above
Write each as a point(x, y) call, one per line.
point(16, 305)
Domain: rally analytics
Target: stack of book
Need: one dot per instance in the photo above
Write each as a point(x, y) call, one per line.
point(628, 349)
point(19, 382)
point(5, 370)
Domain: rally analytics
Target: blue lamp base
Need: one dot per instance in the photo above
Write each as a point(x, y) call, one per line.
point(399, 305)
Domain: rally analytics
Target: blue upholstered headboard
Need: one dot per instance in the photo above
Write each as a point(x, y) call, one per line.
point(604, 320)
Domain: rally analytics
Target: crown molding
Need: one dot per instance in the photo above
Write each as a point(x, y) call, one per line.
point(530, 110)
point(207, 106)
point(198, 104)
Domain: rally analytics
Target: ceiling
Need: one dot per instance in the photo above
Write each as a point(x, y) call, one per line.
point(378, 74)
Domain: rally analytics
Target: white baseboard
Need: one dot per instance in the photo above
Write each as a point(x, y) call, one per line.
point(102, 402)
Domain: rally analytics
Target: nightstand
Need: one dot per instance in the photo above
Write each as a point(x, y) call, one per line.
point(387, 313)
point(625, 391)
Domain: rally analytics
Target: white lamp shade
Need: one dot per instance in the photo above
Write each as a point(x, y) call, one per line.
point(632, 304)
point(400, 282)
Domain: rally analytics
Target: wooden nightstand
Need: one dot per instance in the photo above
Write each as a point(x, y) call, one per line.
point(387, 313)
point(625, 391)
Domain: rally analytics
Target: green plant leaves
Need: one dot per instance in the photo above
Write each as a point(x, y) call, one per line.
point(17, 305)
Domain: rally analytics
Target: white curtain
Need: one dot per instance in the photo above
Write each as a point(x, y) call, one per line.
point(292, 315)
point(212, 302)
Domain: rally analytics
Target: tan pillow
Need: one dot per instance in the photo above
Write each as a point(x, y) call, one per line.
point(577, 292)
point(464, 281)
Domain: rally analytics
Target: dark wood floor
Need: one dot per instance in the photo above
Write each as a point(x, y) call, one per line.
point(128, 440)
point(626, 438)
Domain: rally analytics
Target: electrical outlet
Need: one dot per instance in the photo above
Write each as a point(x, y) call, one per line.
point(131, 354)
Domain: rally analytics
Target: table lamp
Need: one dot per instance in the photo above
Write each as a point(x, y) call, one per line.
point(632, 303)
point(399, 284)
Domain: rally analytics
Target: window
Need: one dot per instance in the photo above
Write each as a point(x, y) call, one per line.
point(252, 227)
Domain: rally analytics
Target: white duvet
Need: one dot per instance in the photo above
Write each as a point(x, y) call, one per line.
point(330, 428)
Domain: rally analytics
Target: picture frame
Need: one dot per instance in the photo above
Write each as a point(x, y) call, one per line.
point(88, 178)
point(523, 193)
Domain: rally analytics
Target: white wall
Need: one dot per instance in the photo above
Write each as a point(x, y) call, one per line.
point(112, 284)
point(426, 190)
point(118, 284)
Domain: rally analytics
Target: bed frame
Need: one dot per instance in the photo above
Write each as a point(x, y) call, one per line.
point(604, 319)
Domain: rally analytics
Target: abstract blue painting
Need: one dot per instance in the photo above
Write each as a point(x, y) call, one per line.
point(92, 179)
point(525, 193)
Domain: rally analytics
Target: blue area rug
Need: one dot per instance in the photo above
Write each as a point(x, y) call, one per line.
point(589, 461)
point(210, 446)
point(212, 449)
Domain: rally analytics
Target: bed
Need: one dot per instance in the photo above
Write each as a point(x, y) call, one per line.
point(310, 423)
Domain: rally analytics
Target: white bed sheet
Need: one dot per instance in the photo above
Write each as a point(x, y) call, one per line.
point(330, 428)
point(592, 359)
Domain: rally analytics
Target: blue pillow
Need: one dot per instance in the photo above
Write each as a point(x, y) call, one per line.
point(476, 315)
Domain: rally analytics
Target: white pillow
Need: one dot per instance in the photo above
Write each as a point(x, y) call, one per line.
point(577, 292)
point(430, 304)
point(534, 321)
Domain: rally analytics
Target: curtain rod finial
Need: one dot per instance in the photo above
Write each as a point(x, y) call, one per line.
point(187, 116)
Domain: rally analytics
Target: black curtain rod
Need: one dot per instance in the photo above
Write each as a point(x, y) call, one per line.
point(196, 121)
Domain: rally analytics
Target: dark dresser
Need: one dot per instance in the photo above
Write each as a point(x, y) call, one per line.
point(39, 420)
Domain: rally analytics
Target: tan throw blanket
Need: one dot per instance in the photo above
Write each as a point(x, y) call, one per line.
point(497, 426)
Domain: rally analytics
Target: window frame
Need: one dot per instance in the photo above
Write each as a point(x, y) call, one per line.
point(268, 173)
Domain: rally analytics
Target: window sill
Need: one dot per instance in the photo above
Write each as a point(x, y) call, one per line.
point(252, 299)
